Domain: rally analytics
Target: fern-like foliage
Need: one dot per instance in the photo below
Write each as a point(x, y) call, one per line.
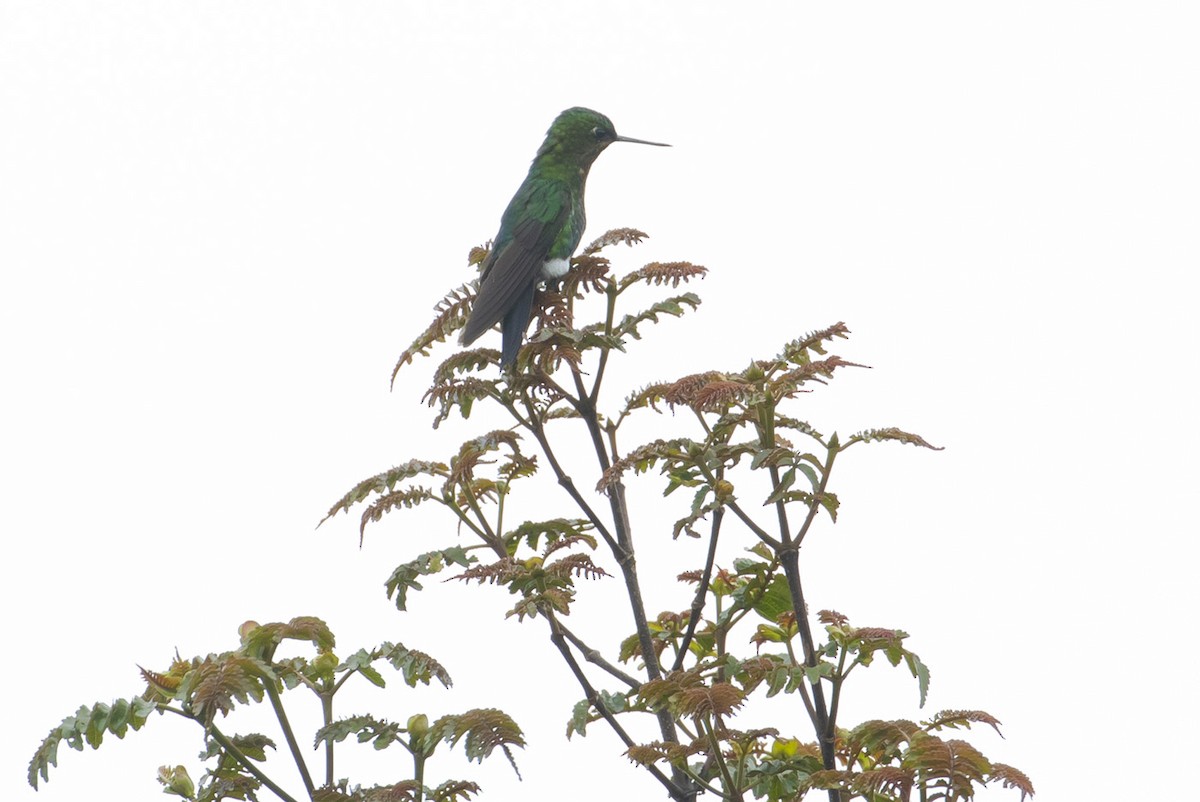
point(951, 768)
point(557, 532)
point(954, 719)
point(88, 726)
point(747, 451)
point(801, 350)
point(588, 274)
point(675, 307)
point(454, 790)
point(415, 666)
point(545, 586)
point(451, 316)
point(220, 681)
point(659, 273)
point(474, 451)
point(259, 640)
point(656, 751)
point(877, 742)
point(385, 482)
point(407, 498)
point(864, 643)
point(884, 435)
point(615, 236)
point(482, 731)
point(404, 576)
point(643, 458)
point(1008, 777)
point(366, 729)
point(460, 393)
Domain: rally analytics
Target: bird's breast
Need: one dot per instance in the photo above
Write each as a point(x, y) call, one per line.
point(555, 268)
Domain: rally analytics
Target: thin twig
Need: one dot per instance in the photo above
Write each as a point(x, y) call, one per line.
point(789, 555)
point(566, 482)
point(558, 637)
point(234, 752)
point(288, 735)
point(732, 792)
point(327, 716)
point(701, 591)
point(815, 504)
point(594, 657)
point(821, 723)
point(836, 696)
point(609, 316)
point(752, 526)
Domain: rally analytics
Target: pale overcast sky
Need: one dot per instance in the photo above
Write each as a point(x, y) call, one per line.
point(221, 222)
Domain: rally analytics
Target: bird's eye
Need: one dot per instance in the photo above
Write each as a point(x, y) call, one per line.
point(600, 133)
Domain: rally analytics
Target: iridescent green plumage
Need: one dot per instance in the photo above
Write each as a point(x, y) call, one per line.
point(541, 228)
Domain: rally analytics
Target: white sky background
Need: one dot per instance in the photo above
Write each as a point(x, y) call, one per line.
point(220, 223)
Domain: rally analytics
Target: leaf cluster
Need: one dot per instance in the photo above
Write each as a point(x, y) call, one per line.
point(208, 689)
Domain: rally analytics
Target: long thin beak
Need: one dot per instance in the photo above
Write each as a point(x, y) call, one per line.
point(641, 142)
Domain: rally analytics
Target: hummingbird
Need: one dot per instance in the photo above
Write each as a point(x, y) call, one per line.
point(541, 228)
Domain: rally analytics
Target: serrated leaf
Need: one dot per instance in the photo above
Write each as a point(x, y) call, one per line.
point(921, 672)
point(785, 482)
point(775, 601)
point(889, 434)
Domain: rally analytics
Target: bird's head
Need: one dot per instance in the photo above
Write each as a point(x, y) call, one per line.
point(580, 135)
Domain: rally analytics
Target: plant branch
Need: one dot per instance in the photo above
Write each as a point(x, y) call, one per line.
point(489, 536)
point(558, 637)
point(327, 717)
point(237, 755)
point(233, 751)
point(759, 532)
point(288, 735)
point(732, 792)
point(623, 551)
point(701, 590)
point(609, 316)
point(821, 721)
point(594, 657)
point(836, 696)
point(815, 504)
point(539, 433)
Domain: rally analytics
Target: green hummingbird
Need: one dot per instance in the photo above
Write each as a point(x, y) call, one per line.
point(541, 227)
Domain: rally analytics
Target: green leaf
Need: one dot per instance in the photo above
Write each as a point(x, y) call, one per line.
point(921, 672)
point(615, 702)
point(808, 471)
point(404, 576)
point(361, 661)
point(552, 530)
point(379, 732)
point(830, 502)
point(118, 717)
point(415, 666)
point(482, 730)
point(386, 482)
point(580, 717)
point(96, 725)
point(452, 791)
point(883, 435)
point(814, 673)
point(630, 648)
point(85, 727)
point(775, 601)
point(671, 306)
point(785, 482)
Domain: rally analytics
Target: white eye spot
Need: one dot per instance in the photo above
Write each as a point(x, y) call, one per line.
point(599, 132)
